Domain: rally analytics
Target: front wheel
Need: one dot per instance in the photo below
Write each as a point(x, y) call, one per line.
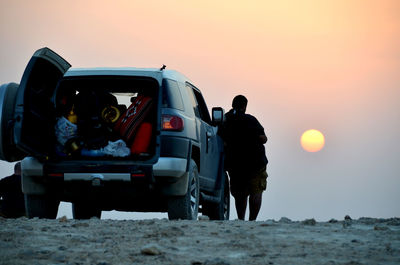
point(41, 206)
point(186, 207)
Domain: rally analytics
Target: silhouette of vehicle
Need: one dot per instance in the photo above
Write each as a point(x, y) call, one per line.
point(181, 172)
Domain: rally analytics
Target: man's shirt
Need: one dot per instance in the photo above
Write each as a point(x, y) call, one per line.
point(244, 150)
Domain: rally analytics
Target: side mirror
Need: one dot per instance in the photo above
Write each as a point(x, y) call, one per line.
point(218, 115)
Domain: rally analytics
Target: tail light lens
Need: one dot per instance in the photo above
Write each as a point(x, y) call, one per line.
point(172, 123)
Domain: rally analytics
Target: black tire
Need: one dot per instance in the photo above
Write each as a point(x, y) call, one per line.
point(186, 207)
point(85, 210)
point(41, 206)
point(221, 210)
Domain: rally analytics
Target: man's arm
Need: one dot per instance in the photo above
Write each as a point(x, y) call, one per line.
point(260, 130)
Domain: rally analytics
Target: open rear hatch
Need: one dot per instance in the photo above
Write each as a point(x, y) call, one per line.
point(33, 111)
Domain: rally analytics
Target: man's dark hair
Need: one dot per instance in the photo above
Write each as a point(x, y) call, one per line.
point(239, 102)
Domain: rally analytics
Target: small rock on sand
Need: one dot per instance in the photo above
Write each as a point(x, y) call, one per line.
point(309, 222)
point(381, 228)
point(151, 250)
point(63, 219)
point(285, 220)
point(204, 218)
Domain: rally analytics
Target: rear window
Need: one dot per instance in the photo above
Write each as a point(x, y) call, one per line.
point(171, 96)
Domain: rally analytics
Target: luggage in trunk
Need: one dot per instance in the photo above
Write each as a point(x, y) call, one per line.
point(107, 113)
point(129, 122)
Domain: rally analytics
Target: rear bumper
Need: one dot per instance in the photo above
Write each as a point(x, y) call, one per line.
point(168, 176)
point(166, 167)
point(170, 167)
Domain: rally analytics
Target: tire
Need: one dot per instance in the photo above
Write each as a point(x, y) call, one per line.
point(186, 207)
point(41, 206)
point(220, 210)
point(85, 210)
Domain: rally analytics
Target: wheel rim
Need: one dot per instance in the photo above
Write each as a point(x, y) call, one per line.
point(193, 196)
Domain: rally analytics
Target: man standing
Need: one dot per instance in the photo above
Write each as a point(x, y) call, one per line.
point(245, 158)
point(12, 204)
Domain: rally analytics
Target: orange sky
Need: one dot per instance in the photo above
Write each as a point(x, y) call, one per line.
point(323, 64)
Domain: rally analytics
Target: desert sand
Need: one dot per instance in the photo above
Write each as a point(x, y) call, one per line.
point(159, 241)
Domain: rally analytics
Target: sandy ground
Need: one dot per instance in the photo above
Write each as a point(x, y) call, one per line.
point(102, 242)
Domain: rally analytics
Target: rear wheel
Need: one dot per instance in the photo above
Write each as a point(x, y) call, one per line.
point(85, 210)
point(220, 210)
point(41, 206)
point(186, 207)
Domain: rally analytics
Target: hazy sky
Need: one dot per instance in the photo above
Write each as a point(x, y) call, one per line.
point(327, 65)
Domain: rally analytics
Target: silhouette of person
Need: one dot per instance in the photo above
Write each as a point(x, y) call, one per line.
point(12, 203)
point(245, 158)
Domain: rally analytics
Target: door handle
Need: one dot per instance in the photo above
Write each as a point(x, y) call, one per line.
point(208, 136)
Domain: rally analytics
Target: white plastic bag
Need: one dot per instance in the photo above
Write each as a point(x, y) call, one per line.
point(65, 130)
point(117, 149)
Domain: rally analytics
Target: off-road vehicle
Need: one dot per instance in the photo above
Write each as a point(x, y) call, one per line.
point(60, 122)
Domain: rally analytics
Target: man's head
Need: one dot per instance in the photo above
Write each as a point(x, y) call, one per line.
point(239, 103)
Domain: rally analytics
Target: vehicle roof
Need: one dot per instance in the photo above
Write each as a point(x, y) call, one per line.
point(128, 71)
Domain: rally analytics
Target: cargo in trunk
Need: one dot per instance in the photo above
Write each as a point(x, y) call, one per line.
point(104, 117)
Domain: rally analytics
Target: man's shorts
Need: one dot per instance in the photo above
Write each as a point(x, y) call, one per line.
point(245, 184)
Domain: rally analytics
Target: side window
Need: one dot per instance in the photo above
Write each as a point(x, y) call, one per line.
point(171, 96)
point(193, 101)
point(201, 105)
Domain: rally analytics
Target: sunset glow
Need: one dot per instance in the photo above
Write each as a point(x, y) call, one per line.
point(327, 65)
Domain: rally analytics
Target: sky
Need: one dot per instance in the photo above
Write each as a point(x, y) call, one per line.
point(330, 65)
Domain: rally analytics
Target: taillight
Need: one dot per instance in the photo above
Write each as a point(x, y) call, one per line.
point(172, 123)
point(138, 175)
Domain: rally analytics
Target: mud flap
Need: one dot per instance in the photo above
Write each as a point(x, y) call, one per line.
point(178, 188)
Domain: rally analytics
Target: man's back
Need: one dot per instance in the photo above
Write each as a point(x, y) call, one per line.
point(244, 149)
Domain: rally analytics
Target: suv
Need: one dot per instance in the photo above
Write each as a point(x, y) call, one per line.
point(60, 121)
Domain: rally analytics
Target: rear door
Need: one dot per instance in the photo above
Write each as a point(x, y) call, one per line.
point(34, 111)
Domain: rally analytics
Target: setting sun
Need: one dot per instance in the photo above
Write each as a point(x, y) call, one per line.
point(312, 140)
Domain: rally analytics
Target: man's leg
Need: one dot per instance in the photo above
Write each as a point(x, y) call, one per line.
point(241, 205)
point(258, 184)
point(255, 205)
